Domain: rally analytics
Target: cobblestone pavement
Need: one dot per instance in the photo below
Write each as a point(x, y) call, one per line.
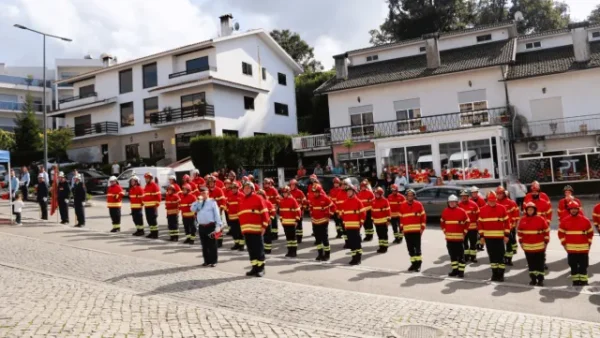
point(158, 289)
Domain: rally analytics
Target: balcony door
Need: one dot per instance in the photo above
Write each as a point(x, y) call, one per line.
point(87, 91)
point(188, 102)
point(83, 125)
point(197, 65)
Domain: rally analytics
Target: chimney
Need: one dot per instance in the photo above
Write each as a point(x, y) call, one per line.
point(226, 24)
point(341, 66)
point(581, 46)
point(432, 51)
point(106, 59)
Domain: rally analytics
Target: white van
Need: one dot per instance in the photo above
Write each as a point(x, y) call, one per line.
point(162, 173)
point(471, 161)
point(426, 161)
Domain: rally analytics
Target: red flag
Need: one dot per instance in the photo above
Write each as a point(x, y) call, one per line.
point(54, 203)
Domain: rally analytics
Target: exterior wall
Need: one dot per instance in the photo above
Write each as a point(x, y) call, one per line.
point(99, 114)
point(340, 149)
point(470, 39)
point(560, 144)
point(547, 42)
point(438, 95)
point(180, 61)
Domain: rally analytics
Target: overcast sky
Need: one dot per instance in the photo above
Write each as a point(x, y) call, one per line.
point(134, 28)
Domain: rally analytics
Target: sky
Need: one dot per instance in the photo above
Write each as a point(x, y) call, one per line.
point(134, 28)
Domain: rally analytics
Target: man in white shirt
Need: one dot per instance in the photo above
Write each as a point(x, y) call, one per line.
point(401, 182)
point(116, 169)
point(209, 220)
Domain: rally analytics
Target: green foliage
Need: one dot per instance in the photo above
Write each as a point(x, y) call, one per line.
point(312, 111)
point(7, 140)
point(28, 134)
point(210, 153)
point(594, 17)
point(348, 143)
point(298, 49)
point(541, 15)
point(59, 141)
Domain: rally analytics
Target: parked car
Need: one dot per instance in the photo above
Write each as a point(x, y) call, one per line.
point(160, 173)
point(435, 198)
point(326, 181)
point(63, 162)
point(95, 181)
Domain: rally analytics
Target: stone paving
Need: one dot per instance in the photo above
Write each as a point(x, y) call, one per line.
point(343, 313)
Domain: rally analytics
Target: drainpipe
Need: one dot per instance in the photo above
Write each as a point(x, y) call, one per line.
point(511, 143)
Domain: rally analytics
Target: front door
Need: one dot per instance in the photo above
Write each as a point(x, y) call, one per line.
point(105, 154)
point(182, 145)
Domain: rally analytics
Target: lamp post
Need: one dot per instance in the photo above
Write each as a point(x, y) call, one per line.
point(44, 35)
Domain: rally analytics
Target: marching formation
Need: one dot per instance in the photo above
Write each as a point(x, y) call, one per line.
point(252, 215)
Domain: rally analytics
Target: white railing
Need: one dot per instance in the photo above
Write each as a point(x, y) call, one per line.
point(311, 142)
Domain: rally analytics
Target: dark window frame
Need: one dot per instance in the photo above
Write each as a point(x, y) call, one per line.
point(121, 73)
point(145, 79)
point(264, 73)
point(595, 35)
point(248, 103)
point(146, 108)
point(422, 49)
point(260, 134)
point(484, 38)
point(137, 150)
point(231, 133)
point(191, 107)
point(88, 93)
point(246, 68)
point(282, 79)
point(152, 150)
point(197, 69)
point(123, 105)
point(279, 109)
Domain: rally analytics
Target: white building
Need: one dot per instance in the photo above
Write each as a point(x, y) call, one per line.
point(448, 101)
point(238, 84)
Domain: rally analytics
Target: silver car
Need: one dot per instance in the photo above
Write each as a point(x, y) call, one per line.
point(435, 198)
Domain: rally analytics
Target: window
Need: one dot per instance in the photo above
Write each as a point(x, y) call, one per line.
point(82, 124)
point(428, 194)
point(127, 174)
point(132, 151)
point(198, 65)
point(247, 68)
point(264, 73)
point(595, 35)
point(362, 124)
point(531, 45)
point(483, 38)
point(87, 91)
point(157, 149)
point(127, 114)
point(230, 133)
point(188, 101)
point(260, 134)
point(474, 113)
point(150, 107)
point(125, 81)
point(282, 79)
point(281, 109)
point(410, 119)
point(422, 49)
point(248, 103)
point(149, 75)
point(372, 58)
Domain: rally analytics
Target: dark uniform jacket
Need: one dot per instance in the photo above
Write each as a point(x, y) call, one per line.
point(79, 193)
point(42, 192)
point(64, 191)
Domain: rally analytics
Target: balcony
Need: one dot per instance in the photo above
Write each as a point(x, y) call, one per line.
point(192, 71)
point(75, 98)
point(18, 106)
point(95, 129)
point(313, 142)
point(22, 81)
point(77, 103)
point(422, 125)
point(181, 115)
point(560, 128)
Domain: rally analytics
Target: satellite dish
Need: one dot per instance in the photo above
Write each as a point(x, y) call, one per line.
point(519, 16)
point(236, 26)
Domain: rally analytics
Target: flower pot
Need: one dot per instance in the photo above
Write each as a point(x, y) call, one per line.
point(423, 129)
point(583, 128)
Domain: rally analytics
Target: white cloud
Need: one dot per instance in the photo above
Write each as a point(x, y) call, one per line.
point(325, 47)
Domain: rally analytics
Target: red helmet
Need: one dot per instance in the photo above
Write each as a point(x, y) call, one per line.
point(285, 189)
point(530, 205)
point(186, 186)
point(336, 180)
point(491, 196)
point(394, 187)
point(573, 205)
point(379, 191)
point(500, 190)
point(171, 187)
point(186, 178)
point(317, 188)
point(364, 183)
point(293, 182)
point(148, 175)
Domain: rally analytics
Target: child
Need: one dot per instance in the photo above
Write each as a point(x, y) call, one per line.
point(18, 207)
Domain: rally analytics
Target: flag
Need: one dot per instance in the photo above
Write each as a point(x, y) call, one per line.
point(54, 191)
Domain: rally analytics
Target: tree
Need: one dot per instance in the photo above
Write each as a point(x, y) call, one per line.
point(59, 141)
point(312, 111)
point(594, 17)
point(540, 15)
point(27, 130)
point(298, 49)
point(7, 140)
point(491, 11)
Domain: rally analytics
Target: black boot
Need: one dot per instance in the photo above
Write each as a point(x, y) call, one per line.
point(241, 247)
point(220, 243)
point(115, 230)
point(268, 251)
point(187, 241)
point(274, 236)
point(354, 260)
point(453, 273)
point(533, 281)
point(253, 271)
point(260, 272)
point(294, 252)
point(320, 255)
point(473, 258)
point(174, 239)
point(479, 247)
point(138, 232)
point(540, 280)
point(299, 239)
point(346, 245)
point(235, 247)
point(326, 256)
point(509, 261)
point(153, 235)
point(461, 274)
point(289, 252)
point(339, 234)
point(358, 258)
point(500, 275)
point(368, 238)
point(397, 240)
point(412, 267)
point(494, 275)
point(418, 266)
point(381, 250)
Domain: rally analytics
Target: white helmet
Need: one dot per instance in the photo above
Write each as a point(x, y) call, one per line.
point(77, 177)
point(61, 174)
point(194, 171)
point(41, 176)
point(173, 177)
point(452, 198)
point(134, 178)
point(112, 179)
point(474, 189)
point(348, 182)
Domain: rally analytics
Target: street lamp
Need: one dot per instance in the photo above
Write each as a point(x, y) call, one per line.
point(44, 85)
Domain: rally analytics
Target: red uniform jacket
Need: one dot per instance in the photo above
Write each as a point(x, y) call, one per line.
point(395, 200)
point(289, 211)
point(596, 216)
point(576, 234)
point(366, 197)
point(219, 183)
point(233, 205)
point(254, 214)
point(218, 195)
point(353, 213)
point(529, 198)
point(321, 209)
point(172, 203)
point(479, 201)
point(271, 208)
point(534, 233)
point(333, 195)
point(114, 196)
point(199, 182)
point(380, 211)
point(298, 195)
point(544, 208)
point(272, 195)
point(472, 211)
point(454, 224)
point(412, 217)
point(511, 209)
point(493, 222)
point(185, 205)
point(177, 188)
point(341, 197)
point(562, 207)
point(136, 194)
point(152, 195)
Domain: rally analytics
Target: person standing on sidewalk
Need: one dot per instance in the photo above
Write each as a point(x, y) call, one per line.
point(114, 201)
point(381, 218)
point(412, 221)
point(267, 238)
point(472, 211)
point(42, 196)
point(494, 230)
point(562, 209)
point(233, 207)
point(151, 201)
point(208, 217)
point(321, 210)
point(18, 208)
point(396, 199)
point(353, 216)
point(25, 181)
point(79, 198)
point(172, 207)
point(455, 224)
point(254, 220)
point(366, 196)
point(576, 234)
point(513, 218)
point(218, 195)
point(302, 202)
point(136, 195)
point(333, 193)
point(187, 215)
point(341, 197)
point(534, 235)
point(64, 192)
point(290, 212)
point(517, 191)
point(273, 197)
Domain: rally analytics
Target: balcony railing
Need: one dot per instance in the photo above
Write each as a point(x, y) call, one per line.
point(192, 71)
point(18, 106)
point(422, 125)
point(311, 142)
point(79, 97)
point(182, 114)
point(568, 126)
point(98, 128)
point(24, 81)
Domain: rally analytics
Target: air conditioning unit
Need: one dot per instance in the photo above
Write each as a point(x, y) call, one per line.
point(598, 140)
point(536, 146)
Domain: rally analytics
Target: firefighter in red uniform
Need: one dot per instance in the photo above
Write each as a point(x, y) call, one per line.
point(341, 197)
point(218, 195)
point(218, 182)
point(114, 199)
point(273, 197)
point(136, 194)
point(267, 238)
point(470, 242)
point(254, 219)
point(194, 189)
point(172, 207)
point(455, 224)
point(333, 195)
point(198, 181)
point(151, 202)
point(251, 179)
point(366, 196)
point(395, 199)
point(513, 218)
point(494, 229)
point(173, 182)
point(562, 204)
point(534, 235)
point(233, 207)
point(380, 211)
point(289, 212)
point(475, 197)
point(576, 233)
point(187, 215)
point(301, 199)
point(312, 180)
point(321, 210)
point(535, 194)
point(353, 216)
point(596, 217)
point(412, 221)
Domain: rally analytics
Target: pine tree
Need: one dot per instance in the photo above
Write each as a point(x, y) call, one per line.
point(27, 130)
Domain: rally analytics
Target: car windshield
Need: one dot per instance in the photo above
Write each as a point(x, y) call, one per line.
point(93, 173)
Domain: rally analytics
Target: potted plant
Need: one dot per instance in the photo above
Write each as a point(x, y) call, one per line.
point(583, 128)
point(553, 127)
point(98, 127)
point(423, 128)
point(168, 111)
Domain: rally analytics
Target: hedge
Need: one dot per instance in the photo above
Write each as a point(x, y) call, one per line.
point(210, 153)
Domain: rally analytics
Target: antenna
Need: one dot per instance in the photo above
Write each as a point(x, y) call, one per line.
point(236, 26)
point(519, 16)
